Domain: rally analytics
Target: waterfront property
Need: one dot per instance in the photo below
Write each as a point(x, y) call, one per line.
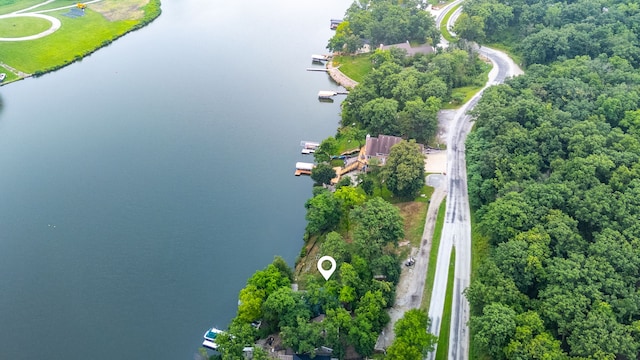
point(334, 23)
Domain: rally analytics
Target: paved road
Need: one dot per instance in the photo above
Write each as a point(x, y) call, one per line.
point(456, 231)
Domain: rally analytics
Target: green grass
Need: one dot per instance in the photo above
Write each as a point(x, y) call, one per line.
point(443, 340)
point(415, 231)
point(468, 92)
point(7, 6)
point(443, 26)
point(22, 26)
point(433, 257)
point(425, 194)
point(355, 67)
point(508, 49)
point(479, 251)
point(10, 76)
point(76, 38)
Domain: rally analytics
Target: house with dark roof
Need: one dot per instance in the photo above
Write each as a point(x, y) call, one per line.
point(380, 147)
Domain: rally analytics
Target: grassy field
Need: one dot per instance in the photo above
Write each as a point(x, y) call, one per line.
point(443, 340)
point(433, 257)
point(76, 38)
point(7, 6)
point(355, 67)
point(22, 26)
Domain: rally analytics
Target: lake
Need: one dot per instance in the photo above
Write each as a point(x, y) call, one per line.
point(142, 186)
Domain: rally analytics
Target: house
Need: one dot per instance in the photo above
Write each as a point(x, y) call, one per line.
point(380, 147)
point(423, 49)
point(335, 23)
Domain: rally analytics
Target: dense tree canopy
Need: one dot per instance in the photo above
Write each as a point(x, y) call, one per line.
point(404, 170)
point(383, 22)
point(402, 96)
point(553, 165)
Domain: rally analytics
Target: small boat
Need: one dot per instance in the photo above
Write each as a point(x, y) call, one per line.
point(210, 338)
point(2, 76)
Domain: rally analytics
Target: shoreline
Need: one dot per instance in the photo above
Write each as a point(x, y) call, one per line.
point(339, 77)
point(152, 10)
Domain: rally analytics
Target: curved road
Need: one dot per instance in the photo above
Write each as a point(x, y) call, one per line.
point(456, 231)
point(55, 23)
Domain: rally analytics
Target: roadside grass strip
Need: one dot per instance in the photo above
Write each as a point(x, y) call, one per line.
point(443, 339)
point(433, 257)
point(479, 251)
point(443, 26)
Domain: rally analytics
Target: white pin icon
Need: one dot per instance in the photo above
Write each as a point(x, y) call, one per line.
point(326, 274)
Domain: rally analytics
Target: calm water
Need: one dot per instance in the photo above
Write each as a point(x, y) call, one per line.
point(140, 188)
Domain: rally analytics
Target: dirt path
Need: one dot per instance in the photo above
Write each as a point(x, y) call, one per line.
point(410, 288)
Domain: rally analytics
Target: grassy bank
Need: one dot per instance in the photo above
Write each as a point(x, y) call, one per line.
point(77, 38)
point(354, 66)
point(433, 257)
point(443, 340)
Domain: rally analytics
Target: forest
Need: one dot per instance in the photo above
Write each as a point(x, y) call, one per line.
point(554, 178)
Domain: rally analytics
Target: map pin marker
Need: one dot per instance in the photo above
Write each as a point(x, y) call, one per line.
point(326, 274)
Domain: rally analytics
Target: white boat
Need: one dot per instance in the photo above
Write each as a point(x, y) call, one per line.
point(2, 76)
point(210, 338)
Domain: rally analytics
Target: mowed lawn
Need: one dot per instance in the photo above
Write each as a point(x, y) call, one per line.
point(76, 37)
point(22, 26)
point(7, 6)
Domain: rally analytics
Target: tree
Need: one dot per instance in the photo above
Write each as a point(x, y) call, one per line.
point(412, 341)
point(419, 120)
point(379, 116)
point(335, 246)
point(283, 308)
point(323, 212)
point(337, 324)
point(470, 28)
point(378, 223)
point(404, 170)
point(323, 173)
point(328, 147)
point(494, 329)
point(303, 337)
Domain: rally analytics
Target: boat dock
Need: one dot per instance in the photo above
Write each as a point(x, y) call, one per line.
point(318, 69)
point(320, 58)
point(303, 168)
point(327, 94)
